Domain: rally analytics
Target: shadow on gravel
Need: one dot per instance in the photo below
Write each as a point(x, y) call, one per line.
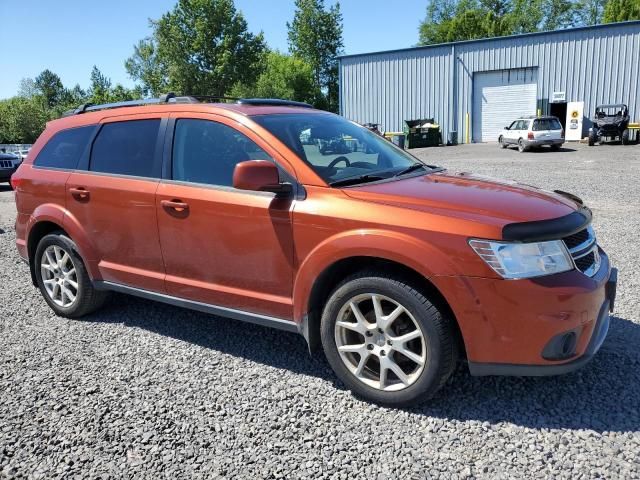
point(548, 150)
point(1, 231)
point(5, 187)
point(603, 396)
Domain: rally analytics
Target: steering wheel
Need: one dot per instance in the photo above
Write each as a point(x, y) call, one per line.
point(341, 158)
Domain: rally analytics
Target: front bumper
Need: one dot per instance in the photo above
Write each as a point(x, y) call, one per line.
point(5, 173)
point(517, 327)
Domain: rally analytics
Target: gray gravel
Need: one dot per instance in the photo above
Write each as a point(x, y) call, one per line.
point(149, 391)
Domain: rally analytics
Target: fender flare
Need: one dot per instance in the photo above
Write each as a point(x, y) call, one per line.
point(61, 217)
point(393, 246)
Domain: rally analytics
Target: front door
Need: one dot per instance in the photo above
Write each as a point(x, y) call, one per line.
point(222, 246)
point(113, 200)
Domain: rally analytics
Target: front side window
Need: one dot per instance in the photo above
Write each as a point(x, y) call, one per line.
point(65, 148)
point(207, 152)
point(127, 148)
point(338, 149)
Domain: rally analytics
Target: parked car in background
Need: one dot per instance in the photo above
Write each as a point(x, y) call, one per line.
point(9, 163)
point(22, 154)
point(257, 212)
point(610, 122)
point(531, 132)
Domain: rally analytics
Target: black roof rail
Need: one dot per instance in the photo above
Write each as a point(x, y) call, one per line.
point(166, 98)
point(274, 102)
point(172, 98)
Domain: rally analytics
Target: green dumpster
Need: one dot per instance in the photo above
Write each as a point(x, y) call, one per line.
point(422, 132)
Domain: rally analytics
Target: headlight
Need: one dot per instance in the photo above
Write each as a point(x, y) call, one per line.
point(524, 260)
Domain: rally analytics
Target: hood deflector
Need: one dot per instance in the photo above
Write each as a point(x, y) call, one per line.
point(553, 229)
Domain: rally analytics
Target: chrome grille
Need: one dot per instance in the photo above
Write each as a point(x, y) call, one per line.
point(583, 248)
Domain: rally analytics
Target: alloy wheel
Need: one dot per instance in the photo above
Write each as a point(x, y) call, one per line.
point(380, 342)
point(59, 276)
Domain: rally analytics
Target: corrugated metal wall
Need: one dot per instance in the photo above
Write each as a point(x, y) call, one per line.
point(595, 65)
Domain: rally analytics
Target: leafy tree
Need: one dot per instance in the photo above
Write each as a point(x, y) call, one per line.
point(50, 86)
point(455, 20)
point(621, 10)
point(591, 11)
point(284, 76)
point(22, 120)
point(101, 90)
point(201, 47)
point(27, 88)
point(315, 35)
point(145, 66)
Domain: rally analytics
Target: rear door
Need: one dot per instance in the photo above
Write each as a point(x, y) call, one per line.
point(112, 198)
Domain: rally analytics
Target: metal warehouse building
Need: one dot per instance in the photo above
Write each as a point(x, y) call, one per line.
point(475, 88)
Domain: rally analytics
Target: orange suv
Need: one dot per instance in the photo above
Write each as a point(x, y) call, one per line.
point(271, 212)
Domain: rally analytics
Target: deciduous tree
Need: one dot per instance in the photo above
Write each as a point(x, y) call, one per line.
point(200, 47)
point(315, 35)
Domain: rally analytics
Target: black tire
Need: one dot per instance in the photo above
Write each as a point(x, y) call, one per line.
point(555, 148)
point(593, 138)
point(625, 137)
point(521, 146)
point(502, 142)
point(88, 299)
point(440, 340)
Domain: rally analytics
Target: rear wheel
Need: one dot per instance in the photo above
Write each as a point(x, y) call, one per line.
point(521, 146)
point(555, 147)
point(625, 137)
point(386, 341)
point(63, 279)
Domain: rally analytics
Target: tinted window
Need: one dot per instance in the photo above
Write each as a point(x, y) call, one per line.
point(64, 149)
point(127, 148)
point(207, 152)
point(547, 124)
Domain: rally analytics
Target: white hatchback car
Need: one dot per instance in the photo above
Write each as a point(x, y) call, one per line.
point(531, 132)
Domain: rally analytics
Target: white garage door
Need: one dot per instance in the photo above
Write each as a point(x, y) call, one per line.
point(499, 97)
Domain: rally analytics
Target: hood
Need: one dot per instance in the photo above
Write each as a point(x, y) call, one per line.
point(468, 196)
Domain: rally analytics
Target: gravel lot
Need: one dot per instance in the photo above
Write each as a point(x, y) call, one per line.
point(149, 391)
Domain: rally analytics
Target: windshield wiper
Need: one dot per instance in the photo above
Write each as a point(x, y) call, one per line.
point(411, 168)
point(367, 177)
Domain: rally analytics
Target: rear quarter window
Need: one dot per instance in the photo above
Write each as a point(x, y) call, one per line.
point(65, 148)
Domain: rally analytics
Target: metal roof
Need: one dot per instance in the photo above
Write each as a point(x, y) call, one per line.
point(507, 37)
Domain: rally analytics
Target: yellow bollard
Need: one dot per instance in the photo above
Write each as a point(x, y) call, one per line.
point(467, 128)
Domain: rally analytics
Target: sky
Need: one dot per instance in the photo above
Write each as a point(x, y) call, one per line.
point(70, 36)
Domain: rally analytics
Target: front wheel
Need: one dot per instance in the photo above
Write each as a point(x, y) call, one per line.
point(625, 137)
point(386, 341)
point(502, 142)
point(593, 138)
point(63, 278)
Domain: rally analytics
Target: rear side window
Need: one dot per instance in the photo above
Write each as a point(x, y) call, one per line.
point(65, 148)
point(127, 148)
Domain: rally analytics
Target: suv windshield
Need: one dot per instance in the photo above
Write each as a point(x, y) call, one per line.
point(340, 151)
point(546, 124)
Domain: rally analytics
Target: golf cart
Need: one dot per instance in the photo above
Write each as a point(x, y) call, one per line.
point(610, 122)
